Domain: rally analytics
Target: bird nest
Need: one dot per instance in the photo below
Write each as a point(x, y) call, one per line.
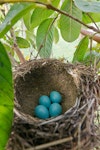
point(77, 128)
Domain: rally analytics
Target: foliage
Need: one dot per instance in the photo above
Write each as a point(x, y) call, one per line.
point(45, 31)
point(81, 50)
point(70, 29)
point(88, 6)
point(34, 18)
point(6, 97)
point(15, 13)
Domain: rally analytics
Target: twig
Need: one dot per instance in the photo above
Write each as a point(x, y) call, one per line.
point(16, 48)
point(57, 142)
point(97, 62)
point(49, 6)
point(87, 111)
point(91, 41)
point(26, 118)
point(92, 20)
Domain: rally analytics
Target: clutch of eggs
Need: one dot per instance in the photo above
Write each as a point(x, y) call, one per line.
point(49, 106)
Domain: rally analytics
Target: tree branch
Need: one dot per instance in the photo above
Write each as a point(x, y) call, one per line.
point(68, 15)
point(49, 6)
point(91, 34)
point(16, 48)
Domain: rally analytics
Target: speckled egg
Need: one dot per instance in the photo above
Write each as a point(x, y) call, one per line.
point(55, 110)
point(45, 100)
point(55, 97)
point(41, 112)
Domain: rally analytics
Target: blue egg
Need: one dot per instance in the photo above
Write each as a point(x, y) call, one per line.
point(55, 110)
point(55, 97)
point(45, 100)
point(41, 112)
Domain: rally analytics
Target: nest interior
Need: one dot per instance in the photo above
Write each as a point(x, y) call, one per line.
point(75, 129)
point(41, 79)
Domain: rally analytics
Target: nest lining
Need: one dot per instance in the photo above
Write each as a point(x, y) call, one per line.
point(75, 128)
point(41, 79)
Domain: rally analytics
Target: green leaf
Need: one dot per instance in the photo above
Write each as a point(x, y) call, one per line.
point(69, 28)
point(9, 49)
point(42, 13)
point(56, 35)
point(97, 48)
point(44, 38)
point(26, 19)
point(95, 16)
point(6, 97)
point(22, 43)
point(31, 37)
point(88, 6)
point(38, 15)
point(15, 13)
point(81, 50)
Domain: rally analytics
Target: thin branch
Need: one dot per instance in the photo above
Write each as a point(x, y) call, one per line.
point(92, 20)
point(97, 62)
point(16, 48)
point(49, 6)
point(43, 146)
point(91, 34)
point(91, 42)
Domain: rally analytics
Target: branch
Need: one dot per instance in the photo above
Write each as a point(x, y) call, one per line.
point(92, 20)
point(59, 141)
point(68, 15)
point(15, 45)
point(49, 6)
point(16, 48)
point(91, 34)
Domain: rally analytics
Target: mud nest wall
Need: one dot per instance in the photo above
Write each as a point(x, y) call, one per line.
point(75, 128)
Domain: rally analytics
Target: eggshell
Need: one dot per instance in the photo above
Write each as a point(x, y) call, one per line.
point(55, 97)
point(41, 112)
point(45, 100)
point(55, 110)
